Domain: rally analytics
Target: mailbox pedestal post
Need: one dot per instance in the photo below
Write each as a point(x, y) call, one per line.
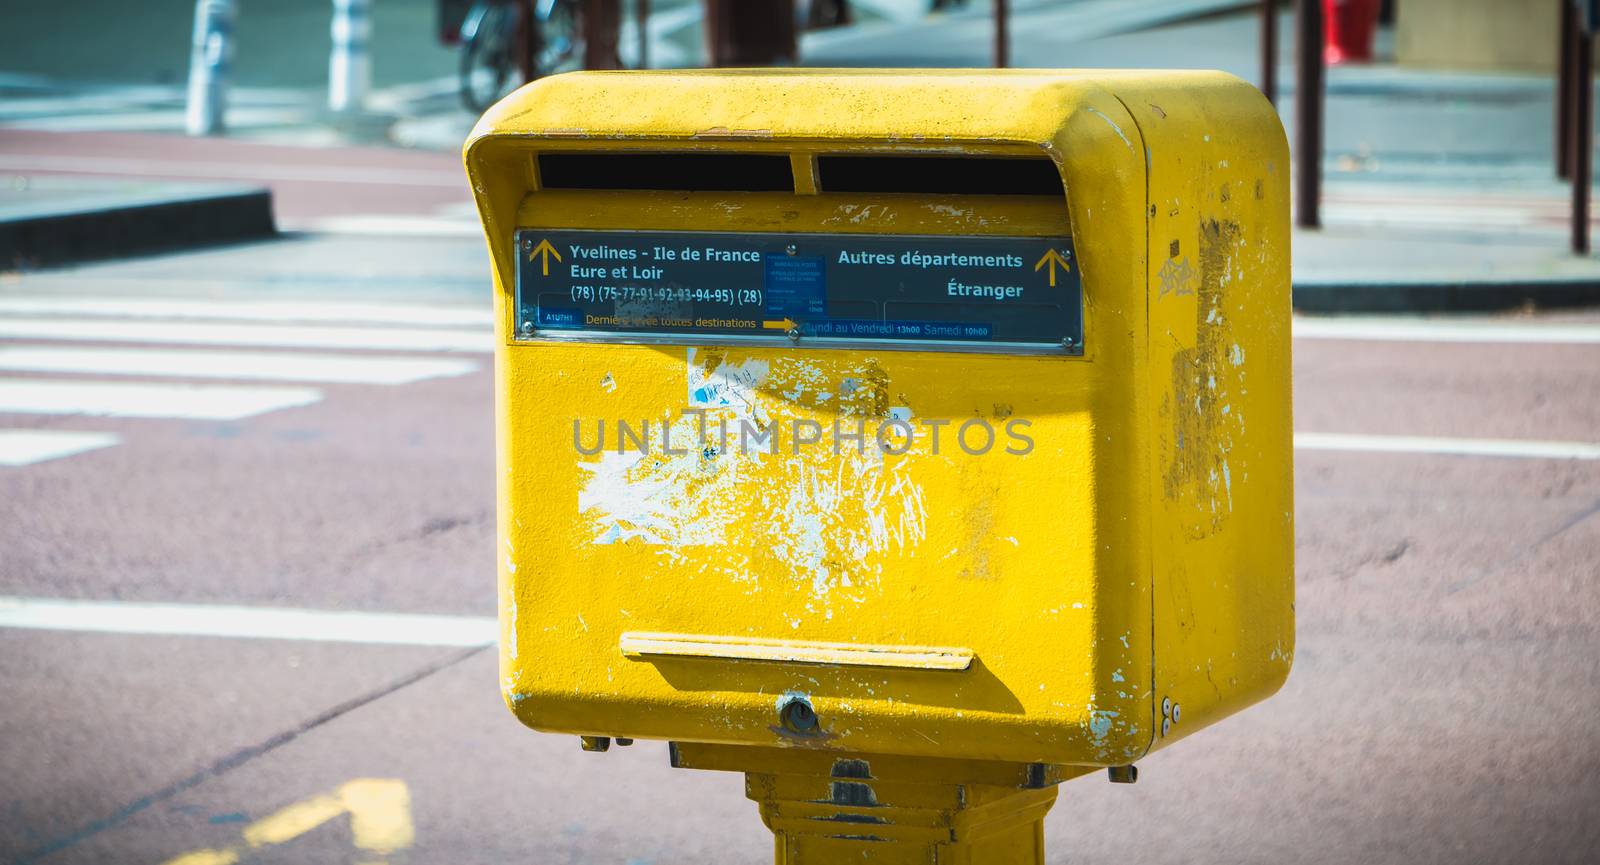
point(825, 808)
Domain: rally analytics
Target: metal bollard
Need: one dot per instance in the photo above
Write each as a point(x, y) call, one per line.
point(210, 60)
point(1269, 50)
point(350, 66)
point(1002, 34)
point(641, 12)
point(1311, 75)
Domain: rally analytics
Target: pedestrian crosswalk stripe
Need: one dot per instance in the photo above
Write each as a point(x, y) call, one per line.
point(272, 623)
point(254, 171)
point(246, 365)
point(265, 335)
point(394, 226)
point(143, 400)
point(91, 119)
point(23, 447)
point(372, 314)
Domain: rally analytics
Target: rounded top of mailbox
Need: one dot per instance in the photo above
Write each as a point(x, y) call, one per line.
point(903, 107)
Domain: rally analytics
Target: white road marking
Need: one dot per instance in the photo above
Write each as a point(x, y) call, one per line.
point(24, 447)
point(273, 335)
point(252, 171)
point(89, 118)
point(260, 365)
point(1412, 214)
point(140, 400)
point(246, 310)
point(1445, 330)
point(1527, 449)
point(392, 226)
point(269, 623)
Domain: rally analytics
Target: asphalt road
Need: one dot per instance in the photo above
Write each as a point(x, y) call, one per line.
point(1444, 705)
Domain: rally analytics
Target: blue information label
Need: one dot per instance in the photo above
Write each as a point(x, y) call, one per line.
point(855, 327)
point(992, 293)
point(560, 317)
point(796, 286)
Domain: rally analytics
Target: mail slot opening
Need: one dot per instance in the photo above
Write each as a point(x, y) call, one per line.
point(682, 172)
point(940, 175)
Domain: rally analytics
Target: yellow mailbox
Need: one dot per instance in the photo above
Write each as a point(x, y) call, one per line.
point(908, 440)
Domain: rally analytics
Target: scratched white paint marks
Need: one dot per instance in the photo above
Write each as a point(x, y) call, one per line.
point(78, 358)
point(1113, 124)
point(1202, 410)
point(728, 475)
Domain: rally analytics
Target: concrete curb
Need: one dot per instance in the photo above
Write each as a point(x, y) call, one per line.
point(1426, 297)
point(121, 224)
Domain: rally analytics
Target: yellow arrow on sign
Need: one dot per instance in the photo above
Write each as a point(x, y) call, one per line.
point(546, 250)
point(1052, 258)
point(785, 324)
point(380, 822)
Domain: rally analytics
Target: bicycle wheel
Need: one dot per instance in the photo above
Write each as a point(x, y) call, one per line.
point(559, 46)
point(487, 55)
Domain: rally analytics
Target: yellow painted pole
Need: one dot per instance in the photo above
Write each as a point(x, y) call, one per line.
point(887, 810)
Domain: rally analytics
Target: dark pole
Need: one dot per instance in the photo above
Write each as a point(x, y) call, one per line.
point(1568, 37)
point(1582, 137)
point(1308, 96)
point(1269, 49)
point(526, 36)
point(641, 14)
point(1002, 34)
point(602, 21)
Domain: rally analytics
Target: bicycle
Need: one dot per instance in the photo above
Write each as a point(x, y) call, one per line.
point(489, 50)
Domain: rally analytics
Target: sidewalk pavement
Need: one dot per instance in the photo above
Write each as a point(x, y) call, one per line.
point(1439, 189)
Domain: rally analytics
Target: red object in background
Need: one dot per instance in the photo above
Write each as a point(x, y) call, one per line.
point(1351, 25)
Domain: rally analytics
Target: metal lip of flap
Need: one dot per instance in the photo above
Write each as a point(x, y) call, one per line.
point(639, 645)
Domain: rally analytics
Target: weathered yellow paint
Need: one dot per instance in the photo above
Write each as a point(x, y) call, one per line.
point(1219, 389)
point(1141, 552)
point(380, 822)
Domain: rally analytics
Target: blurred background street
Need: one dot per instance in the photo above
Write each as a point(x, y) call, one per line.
point(209, 450)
